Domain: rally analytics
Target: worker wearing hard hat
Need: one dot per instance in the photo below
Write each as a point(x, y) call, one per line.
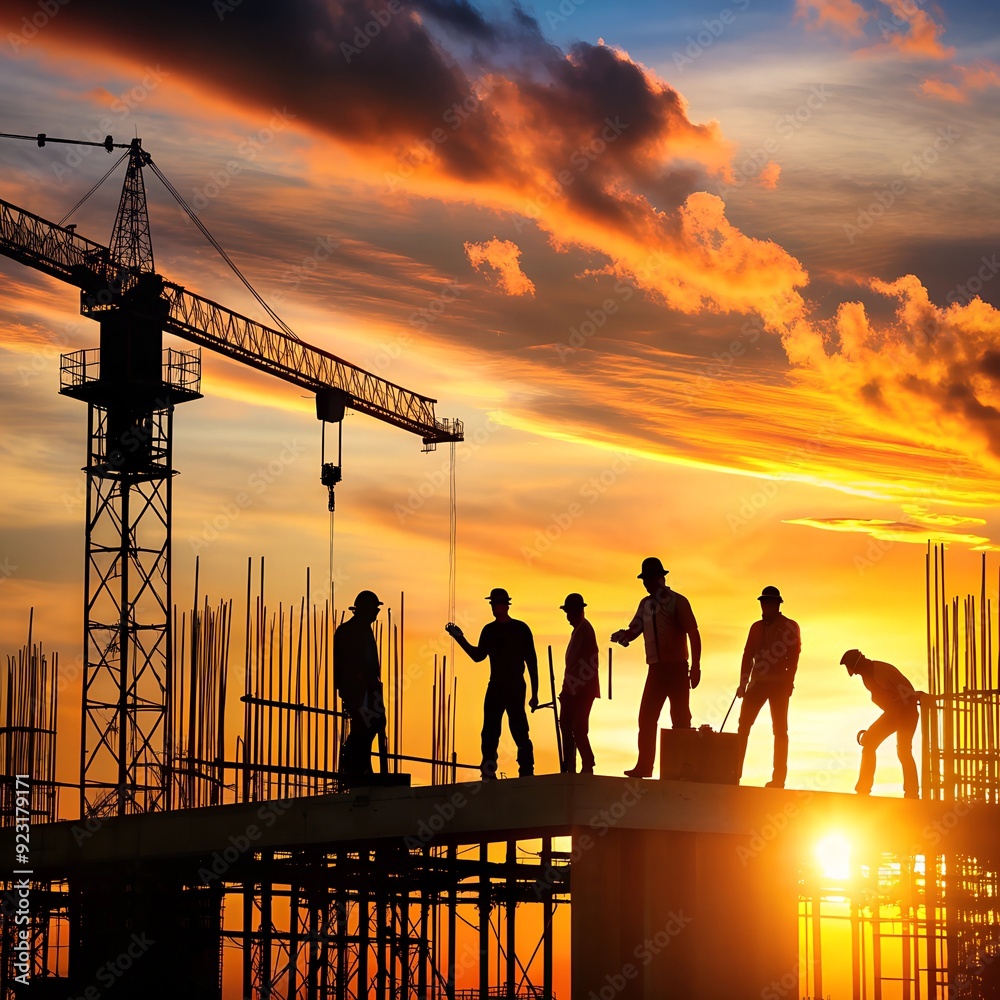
point(767, 674)
point(580, 687)
point(895, 695)
point(358, 680)
point(666, 622)
point(510, 646)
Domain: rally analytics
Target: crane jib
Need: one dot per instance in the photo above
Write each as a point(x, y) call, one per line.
point(61, 253)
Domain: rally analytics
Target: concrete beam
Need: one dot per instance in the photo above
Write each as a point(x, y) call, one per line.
point(554, 804)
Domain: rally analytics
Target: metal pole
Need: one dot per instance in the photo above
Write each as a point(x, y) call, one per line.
point(555, 713)
point(511, 976)
point(484, 922)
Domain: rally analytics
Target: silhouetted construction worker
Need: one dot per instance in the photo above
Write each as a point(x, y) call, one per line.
point(895, 695)
point(767, 674)
point(510, 646)
point(666, 622)
point(359, 683)
point(580, 687)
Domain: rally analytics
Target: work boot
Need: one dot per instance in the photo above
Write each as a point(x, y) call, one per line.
point(637, 772)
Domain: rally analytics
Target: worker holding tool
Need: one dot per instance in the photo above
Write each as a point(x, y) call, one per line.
point(581, 685)
point(767, 674)
point(510, 646)
point(358, 680)
point(666, 622)
point(895, 695)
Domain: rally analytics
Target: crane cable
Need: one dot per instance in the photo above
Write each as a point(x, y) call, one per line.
point(452, 564)
point(114, 167)
point(282, 325)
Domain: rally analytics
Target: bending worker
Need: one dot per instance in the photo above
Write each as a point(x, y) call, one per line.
point(767, 674)
point(665, 621)
point(895, 695)
point(510, 646)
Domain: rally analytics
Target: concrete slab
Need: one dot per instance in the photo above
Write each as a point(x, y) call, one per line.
point(554, 804)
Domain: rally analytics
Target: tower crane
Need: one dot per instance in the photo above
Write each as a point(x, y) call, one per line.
point(132, 385)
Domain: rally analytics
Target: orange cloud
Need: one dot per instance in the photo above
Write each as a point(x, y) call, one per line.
point(944, 90)
point(597, 153)
point(768, 176)
point(844, 16)
point(913, 32)
point(502, 258)
point(982, 76)
point(942, 387)
point(895, 531)
point(920, 513)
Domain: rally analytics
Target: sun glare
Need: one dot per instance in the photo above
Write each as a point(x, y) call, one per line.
point(833, 853)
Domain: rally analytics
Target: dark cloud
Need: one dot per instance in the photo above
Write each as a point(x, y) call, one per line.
point(513, 108)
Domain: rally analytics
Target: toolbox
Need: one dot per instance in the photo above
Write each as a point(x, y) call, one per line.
point(700, 755)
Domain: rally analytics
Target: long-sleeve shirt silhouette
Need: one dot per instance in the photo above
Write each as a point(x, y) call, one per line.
point(510, 647)
point(664, 620)
point(772, 651)
point(891, 690)
point(355, 658)
point(582, 662)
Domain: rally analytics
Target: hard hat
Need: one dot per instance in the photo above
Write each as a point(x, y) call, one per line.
point(365, 599)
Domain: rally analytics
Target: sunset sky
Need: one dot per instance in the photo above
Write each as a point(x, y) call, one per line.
point(713, 283)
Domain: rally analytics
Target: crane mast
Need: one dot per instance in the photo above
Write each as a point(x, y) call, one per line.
point(131, 385)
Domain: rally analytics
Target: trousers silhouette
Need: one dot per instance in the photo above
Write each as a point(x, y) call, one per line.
point(509, 698)
point(753, 701)
point(663, 681)
point(904, 725)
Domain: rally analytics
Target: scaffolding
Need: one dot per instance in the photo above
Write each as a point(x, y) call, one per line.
point(925, 925)
point(434, 915)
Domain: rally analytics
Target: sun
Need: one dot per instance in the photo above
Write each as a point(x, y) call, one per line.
point(833, 853)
